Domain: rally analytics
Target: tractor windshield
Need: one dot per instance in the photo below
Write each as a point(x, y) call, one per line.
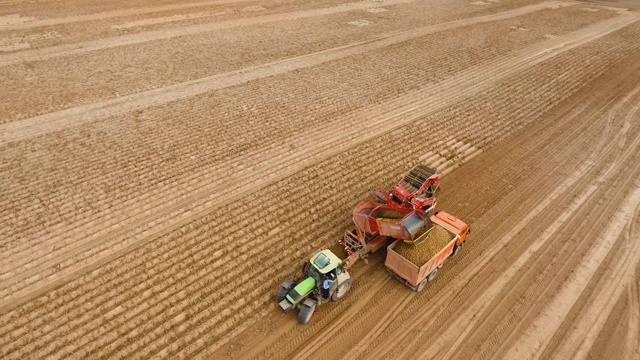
point(321, 261)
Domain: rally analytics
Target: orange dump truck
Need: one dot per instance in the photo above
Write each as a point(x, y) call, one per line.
point(415, 263)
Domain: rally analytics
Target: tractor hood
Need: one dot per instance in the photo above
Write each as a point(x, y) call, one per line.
point(301, 290)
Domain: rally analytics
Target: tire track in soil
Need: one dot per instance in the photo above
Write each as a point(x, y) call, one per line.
point(385, 274)
point(147, 36)
point(115, 14)
point(496, 289)
point(470, 346)
point(288, 342)
point(632, 341)
point(66, 237)
point(545, 287)
point(611, 336)
point(613, 287)
point(565, 306)
point(558, 319)
point(418, 315)
point(59, 120)
point(611, 341)
point(385, 313)
point(469, 81)
point(460, 282)
point(579, 340)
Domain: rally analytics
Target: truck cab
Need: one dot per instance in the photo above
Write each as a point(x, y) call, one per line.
point(452, 224)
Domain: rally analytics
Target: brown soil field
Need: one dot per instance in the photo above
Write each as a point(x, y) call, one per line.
point(165, 164)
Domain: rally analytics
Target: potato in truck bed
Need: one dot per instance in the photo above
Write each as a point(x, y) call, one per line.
point(437, 239)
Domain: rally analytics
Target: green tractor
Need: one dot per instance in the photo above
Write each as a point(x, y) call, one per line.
point(323, 279)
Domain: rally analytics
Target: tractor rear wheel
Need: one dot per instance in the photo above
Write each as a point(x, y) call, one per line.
point(305, 314)
point(284, 289)
point(342, 290)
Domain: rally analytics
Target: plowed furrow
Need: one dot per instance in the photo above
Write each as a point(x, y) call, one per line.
point(124, 40)
point(426, 315)
point(56, 121)
point(377, 124)
point(472, 225)
point(114, 14)
point(545, 232)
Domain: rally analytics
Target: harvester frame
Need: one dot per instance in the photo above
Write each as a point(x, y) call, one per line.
point(412, 199)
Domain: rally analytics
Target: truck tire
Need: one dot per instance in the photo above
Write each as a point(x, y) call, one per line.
point(432, 275)
point(284, 289)
point(456, 250)
point(306, 311)
point(342, 290)
point(422, 285)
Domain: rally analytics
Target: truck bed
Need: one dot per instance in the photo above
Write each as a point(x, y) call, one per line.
point(412, 264)
point(437, 238)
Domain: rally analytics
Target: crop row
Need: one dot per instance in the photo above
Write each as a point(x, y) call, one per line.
point(227, 245)
point(82, 27)
point(47, 84)
point(287, 344)
point(156, 154)
point(70, 262)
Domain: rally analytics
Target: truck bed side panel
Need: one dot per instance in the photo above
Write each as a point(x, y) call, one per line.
point(437, 260)
point(401, 266)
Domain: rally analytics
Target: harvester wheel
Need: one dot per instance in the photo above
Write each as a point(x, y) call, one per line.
point(284, 289)
point(456, 250)
point(432, 275)
point(342, 290)
point(306, 311)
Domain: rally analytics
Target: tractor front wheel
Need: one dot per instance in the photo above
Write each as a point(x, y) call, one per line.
point(342, 290)
point(284, 289)
point(306, 311)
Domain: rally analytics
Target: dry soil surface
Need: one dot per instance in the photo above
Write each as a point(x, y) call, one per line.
point(164, 165)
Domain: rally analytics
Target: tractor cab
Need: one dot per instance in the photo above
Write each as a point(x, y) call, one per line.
point(325, 262)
